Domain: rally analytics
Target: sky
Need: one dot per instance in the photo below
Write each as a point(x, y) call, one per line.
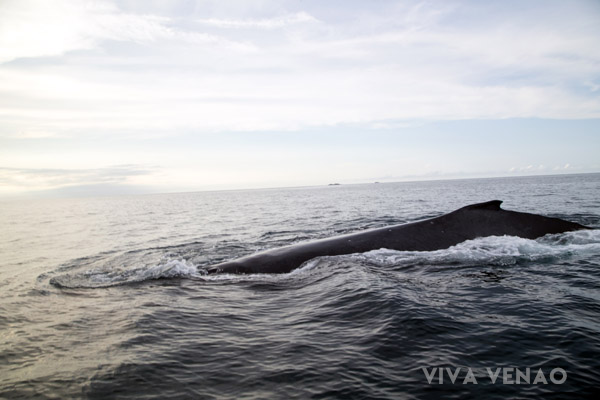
point(121, 97)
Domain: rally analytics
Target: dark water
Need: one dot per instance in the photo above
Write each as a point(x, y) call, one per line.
point(105, 298)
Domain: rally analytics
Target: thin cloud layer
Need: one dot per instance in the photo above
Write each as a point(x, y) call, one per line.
point(25, 178)
point(265, 23)
point(37, 28)
point(149, 72)
point(85, 84)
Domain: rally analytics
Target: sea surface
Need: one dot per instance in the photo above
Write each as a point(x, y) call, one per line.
point(107, 298)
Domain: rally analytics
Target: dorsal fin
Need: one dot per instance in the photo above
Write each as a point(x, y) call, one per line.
point(493, 205)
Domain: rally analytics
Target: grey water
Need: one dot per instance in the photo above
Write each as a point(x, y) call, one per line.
point(107, 298)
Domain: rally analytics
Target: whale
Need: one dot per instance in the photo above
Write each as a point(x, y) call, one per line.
point(466, 223)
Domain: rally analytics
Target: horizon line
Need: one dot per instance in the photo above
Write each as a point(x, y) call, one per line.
point(49, 195)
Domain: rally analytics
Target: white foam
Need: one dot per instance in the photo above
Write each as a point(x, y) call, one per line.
point(492, 250)
point(496, 250)
point(106, 277)
point(170, 269)
point(583, 237)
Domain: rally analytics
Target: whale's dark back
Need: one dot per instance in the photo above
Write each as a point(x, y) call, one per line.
point(488, 219)
point(470, 222)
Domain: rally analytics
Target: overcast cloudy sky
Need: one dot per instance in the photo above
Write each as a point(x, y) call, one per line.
point(136, 96)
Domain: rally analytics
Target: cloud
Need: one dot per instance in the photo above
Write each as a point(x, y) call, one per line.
point(143, 74)
point(267, 23)
point(594, 87)
point(27, 179)
point(38, 28)
point(536, 169)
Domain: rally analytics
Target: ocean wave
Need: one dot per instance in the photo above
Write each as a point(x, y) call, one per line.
point(492, 250)
point(106, 277)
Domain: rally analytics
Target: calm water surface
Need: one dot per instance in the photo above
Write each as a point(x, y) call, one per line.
point(106, 297)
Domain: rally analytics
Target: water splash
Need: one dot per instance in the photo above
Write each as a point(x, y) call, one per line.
point(492, 250)
point(109, 276)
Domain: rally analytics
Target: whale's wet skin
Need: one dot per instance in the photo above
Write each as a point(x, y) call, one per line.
point(113, 297)
point(469, 222)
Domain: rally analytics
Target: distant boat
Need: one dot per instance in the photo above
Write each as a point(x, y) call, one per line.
point(334, 184)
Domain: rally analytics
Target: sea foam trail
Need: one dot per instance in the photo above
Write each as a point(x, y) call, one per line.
point(102, 277)
point(492, 250)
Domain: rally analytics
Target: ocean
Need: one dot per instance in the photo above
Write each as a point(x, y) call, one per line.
point(106, 298)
